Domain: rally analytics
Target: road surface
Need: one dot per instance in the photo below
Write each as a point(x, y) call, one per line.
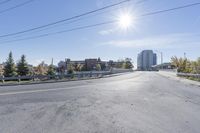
point(139, 102)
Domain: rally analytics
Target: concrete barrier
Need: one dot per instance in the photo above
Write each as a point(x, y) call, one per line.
point(65, 77)
point(120, 70)
point(189, 75)
point(77, 75)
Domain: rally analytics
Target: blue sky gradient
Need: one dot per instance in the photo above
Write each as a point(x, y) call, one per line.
point(173, 33)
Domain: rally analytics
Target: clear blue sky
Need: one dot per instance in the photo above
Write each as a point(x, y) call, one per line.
point(173, 33)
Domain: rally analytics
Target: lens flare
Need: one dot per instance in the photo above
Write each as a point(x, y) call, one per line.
point(125, 20)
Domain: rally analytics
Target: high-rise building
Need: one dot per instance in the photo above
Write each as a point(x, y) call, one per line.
point(146, 59)
point(154, 59)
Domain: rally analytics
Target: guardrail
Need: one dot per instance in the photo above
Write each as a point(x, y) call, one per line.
point(78, 75)
point(168, 70)
point(120, 70)
point(189, 75)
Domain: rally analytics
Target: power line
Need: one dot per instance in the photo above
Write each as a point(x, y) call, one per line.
point(64, 20)
point(171, 9)
point(98, 24)
point(76, 20)
point(63, 31)
point(16, 6)
point(4, 2)
point(90, 12)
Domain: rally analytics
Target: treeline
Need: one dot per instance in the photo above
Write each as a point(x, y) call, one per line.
point(125, 63)
point(23, 69)
point(185, 65)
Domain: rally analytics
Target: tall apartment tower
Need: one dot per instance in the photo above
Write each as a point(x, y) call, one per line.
point(146, 59)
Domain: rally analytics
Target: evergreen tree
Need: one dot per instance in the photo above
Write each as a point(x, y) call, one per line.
point(22, 66)
point(9, 69)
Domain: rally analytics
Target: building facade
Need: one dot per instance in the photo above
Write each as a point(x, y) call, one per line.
point(154, 59)
point(91, 64)
point(70, 63)
point(146, 59)
point(87, 64)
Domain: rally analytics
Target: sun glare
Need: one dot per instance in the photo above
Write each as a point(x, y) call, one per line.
point(125, 21)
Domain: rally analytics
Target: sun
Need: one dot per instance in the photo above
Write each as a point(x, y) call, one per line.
point(125, 21)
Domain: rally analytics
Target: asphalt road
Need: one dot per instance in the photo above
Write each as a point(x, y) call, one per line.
point(140, 102)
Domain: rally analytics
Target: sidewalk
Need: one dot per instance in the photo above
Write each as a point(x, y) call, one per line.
point(172, 75)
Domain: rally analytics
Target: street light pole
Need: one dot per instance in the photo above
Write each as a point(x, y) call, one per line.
point(161, 58)
point(184, 55)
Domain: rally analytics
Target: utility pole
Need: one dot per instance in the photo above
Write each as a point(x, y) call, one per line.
point(161, 58)
point(52, 61)
point(161, 54)
point(65, 65)
point(184, 55)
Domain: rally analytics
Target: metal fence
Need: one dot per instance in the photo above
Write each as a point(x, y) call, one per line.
point(78, 75)
point(168, 70)
point(120, 70)
point(189, 75)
